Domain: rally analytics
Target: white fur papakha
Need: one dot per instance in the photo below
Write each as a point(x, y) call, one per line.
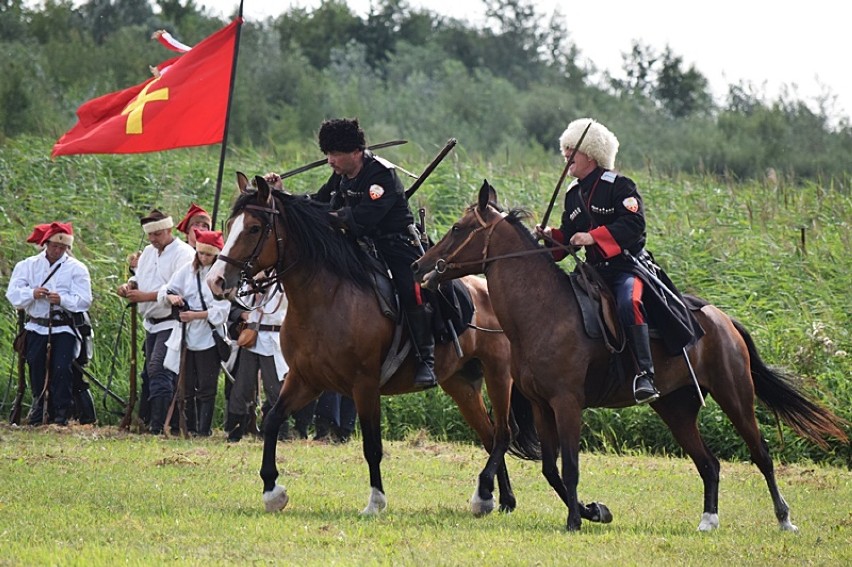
point(599, 144)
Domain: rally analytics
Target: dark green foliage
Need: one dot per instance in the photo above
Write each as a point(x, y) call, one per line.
point(504, 88)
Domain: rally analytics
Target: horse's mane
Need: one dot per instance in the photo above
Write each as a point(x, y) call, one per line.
point(516, 218)
point(317, 245)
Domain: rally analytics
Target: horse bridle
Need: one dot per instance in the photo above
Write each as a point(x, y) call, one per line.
point(442, 265)
point(256, 285)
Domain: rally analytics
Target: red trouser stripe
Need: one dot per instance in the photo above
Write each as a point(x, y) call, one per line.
point(638, 286)
point(417, 295)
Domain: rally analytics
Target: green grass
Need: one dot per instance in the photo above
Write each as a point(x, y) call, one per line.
point(95, 496)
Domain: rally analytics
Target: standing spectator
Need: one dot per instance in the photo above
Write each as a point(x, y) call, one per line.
point(201, 315)
point(260, 351)
point(195, 218)
point(156, 265)
point(334, 417)
point(52, 287)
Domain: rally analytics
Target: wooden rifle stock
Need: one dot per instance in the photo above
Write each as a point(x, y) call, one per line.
point(15, 417)
point(131, 396)
point(45, 393)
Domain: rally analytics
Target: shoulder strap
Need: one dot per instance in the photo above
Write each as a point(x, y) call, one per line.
point(200, 293)
point(50, 275)
point(204, 303)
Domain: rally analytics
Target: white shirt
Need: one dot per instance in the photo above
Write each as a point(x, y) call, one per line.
point(271, 311)
point(153, 271)
point(198, 331)
point(70, 280)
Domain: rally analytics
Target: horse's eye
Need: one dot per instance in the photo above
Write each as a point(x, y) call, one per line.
point(456, 228)
point(254, 230)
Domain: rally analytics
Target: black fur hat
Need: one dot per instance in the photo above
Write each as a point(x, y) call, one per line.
point(341, 135)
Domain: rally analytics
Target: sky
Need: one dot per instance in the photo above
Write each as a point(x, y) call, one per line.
point(802, 46)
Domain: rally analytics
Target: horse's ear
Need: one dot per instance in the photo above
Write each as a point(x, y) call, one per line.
point(242, 182)
point(264, 193)
point(487, 196)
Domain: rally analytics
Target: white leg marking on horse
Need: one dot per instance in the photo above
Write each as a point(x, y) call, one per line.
point(787, 526)
point(276, 499)
point(480, 507)
point(709, 522)
point(377, 503)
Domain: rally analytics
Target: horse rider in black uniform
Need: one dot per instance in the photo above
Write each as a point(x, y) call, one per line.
point(604, 213)
point(368, 200)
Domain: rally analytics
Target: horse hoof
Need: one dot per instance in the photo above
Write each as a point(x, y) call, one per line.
point(276, 499)
point(481, 507)
point(788, 526)
point(377, 503)
point(709, 522)
point(600, 513)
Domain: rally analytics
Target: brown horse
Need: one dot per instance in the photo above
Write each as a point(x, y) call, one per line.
point(561, 371)
point(335, 337)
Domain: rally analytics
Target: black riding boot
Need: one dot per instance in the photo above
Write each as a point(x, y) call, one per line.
point(190, 410)
point(84, 405)
point(302, 420)
point(205, 417)
point(234, 427)
point(159, 407)
point(420, 326)
point(644, 390)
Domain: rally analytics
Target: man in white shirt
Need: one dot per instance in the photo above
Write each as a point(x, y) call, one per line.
point(51, 287)
point(260, 353)
point(158, 262)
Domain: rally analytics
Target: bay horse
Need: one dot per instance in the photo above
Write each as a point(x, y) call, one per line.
point(335, 337)
point(562, 371)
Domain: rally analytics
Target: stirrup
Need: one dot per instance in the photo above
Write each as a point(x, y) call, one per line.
point(647, 392)
point(430, 382)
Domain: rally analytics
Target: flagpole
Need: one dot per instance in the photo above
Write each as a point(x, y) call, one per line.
point(227, 120)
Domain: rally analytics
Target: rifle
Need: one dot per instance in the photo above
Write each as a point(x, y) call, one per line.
point(15, 417)
point(131, 396)
point(451, 143)
point(178, 399)
point(568, 164)
point(45, 392)
point(324, 161)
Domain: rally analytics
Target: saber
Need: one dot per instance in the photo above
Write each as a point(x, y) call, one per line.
point(652, 277)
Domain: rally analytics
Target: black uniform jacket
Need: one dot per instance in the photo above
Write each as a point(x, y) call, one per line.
point(373, 204)
point(608, 206)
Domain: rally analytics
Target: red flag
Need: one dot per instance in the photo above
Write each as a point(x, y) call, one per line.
point(186, 105)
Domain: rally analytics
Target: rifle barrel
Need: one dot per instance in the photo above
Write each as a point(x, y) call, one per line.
point(319, 162)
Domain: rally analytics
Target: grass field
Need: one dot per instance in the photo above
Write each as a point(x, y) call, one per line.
point(96, 496)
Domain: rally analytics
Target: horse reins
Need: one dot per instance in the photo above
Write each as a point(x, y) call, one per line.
point(442, 265)
point(262, 284)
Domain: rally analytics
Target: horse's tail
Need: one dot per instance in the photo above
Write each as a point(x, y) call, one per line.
point(778, 391)
point(525, 443)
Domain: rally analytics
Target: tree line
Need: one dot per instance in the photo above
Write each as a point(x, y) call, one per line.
point(505, 88)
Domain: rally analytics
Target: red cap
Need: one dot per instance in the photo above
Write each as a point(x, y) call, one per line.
point(209, 241)
point(59, 232)
point(194, 211)
point(38, 234)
